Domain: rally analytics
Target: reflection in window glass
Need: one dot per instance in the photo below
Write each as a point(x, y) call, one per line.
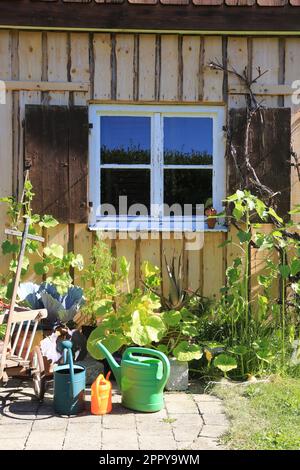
point(135, 184)
point(188, 141)
point(125, 139)
point(187, 187)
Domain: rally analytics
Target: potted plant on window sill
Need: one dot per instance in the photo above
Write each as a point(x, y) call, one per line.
point(210, 212)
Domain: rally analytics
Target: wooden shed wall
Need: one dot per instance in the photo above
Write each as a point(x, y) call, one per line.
point(136, 67)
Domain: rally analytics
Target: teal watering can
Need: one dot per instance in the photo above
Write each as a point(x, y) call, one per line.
point(141, 377)
point(69, 384)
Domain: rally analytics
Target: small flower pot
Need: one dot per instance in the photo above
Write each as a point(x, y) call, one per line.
point(211, 221)
point(179, 376)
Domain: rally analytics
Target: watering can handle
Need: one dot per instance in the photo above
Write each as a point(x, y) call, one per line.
point(151, 352)
point(67, 345)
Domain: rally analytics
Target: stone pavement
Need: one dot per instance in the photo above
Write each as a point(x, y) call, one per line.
point(189, 421)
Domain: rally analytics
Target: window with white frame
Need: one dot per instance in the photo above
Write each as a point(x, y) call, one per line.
point(154, 162)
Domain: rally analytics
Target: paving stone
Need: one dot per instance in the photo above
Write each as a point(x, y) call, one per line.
point(90, 439)
point(155, 442)
point(48, 424)
point(12, 444)
point(210, 407)
point(47, 440)
point(116, 439)
point(126, 421)
point(213, 431)
point(215, 419)
point(180, 403)
point(10, 431)
point(201, 397)
point(205, 443)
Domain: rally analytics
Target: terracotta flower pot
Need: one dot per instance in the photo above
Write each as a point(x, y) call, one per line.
point(211, 221)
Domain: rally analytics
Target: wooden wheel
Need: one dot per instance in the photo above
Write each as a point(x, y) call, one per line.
point(38, 373)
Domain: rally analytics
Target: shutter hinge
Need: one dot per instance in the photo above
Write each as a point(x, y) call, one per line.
point(91, 126)
point(91, 204)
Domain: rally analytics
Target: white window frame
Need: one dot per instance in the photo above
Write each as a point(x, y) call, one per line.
point(156, 166)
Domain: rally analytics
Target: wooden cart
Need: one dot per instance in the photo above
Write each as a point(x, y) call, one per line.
point(20, 357)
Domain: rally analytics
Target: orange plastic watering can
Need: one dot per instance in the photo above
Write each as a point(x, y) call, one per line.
point(101, 390)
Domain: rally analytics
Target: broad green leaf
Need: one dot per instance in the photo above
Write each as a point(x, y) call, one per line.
point(54, 250)
point(78, 262)
point(124, 266)
point(112, 342)
point(244, 236)
point(284, 270)
point(40, 269)
point(163, 348)
point(265, 355)
point(225, 363)
point(295, 267)
point(171, 317)
point(189, 330)
point(48, 221)
point(187, 352)
point(240, 350)
point(8, 247)
point(272, 213)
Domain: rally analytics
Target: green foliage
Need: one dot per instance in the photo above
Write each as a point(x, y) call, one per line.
point(263, 416)
point(54, 265)
point(256, 328)
point(133, 317)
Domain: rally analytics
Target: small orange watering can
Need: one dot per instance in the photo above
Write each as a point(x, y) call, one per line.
point(101, 390)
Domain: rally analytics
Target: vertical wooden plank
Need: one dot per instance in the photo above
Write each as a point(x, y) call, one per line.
point(124, 55)
point(6, 169)
point(171, 247)
point(102, 67)
point(57, 53)
point(80, 71)
point(30, 68)
point(292, 60)
point(266, 57)
point(83, 243)
point(150, 251)
point(295, 183)
point(191, 67)
point(126, 247)
point(169, 68)
point(237, 52)
point(147, 67)
point(213, 264)
point(195, 269)
point(212, 79)
point(57, 70)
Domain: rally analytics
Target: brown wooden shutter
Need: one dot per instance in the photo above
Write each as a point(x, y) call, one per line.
point(269, 153)
point(56, 152)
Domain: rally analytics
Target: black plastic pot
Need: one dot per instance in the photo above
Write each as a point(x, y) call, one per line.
point(87, 330)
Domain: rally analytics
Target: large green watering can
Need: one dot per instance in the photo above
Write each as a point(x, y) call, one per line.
point(69, 384)
point(141, 377)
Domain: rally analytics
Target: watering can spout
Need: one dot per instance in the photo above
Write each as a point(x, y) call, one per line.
point(113, 364)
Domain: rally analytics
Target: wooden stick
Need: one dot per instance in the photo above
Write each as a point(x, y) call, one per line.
point(14, 297)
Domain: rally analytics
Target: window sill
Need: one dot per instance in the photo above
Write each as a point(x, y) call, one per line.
point(150, 225)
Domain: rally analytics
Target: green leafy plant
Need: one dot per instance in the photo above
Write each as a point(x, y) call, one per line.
point(54, 265)
point(256, 328)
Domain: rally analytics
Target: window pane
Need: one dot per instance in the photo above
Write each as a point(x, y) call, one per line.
point(188, 141)
point(187, 187)
point(125, 139)
point(135, 184)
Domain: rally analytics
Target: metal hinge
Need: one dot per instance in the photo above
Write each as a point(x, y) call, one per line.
point(91, 125)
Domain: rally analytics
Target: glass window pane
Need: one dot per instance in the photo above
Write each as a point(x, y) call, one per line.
point(188, 141)
point(187, 187)
point(135, 184)
point(125, 139)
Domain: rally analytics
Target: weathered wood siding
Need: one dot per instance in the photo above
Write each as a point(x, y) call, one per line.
point(137, 67)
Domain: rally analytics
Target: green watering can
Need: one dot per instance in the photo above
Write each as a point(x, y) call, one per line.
point(69, 384)
point(141, 378)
